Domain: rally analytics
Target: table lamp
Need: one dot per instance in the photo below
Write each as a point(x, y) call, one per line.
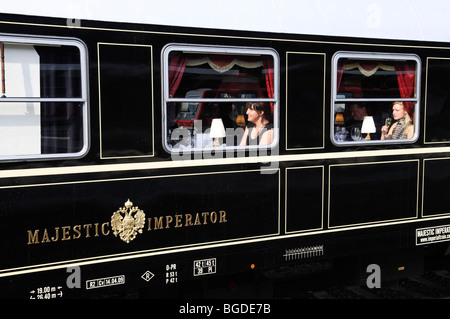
point(368, 126)
point(339, 119)
point(217, 131)
point(240, 120)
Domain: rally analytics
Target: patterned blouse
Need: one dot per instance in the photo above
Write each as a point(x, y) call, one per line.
point(399, 131)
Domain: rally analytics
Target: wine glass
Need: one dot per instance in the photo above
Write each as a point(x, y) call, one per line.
point(342, 134)
point(356, 133)
point(388, 121)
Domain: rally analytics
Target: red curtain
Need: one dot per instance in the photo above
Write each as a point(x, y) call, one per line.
point(340, 72)
point(406, 78)
point(366, 68)
point(177, 64)
point(268, 66)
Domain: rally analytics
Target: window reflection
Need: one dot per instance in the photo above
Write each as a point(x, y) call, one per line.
point(42, 109)
point(366, 91)
point(211, 86)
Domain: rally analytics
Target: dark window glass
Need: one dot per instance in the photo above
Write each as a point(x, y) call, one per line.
point(42, 110)
point(376, 98)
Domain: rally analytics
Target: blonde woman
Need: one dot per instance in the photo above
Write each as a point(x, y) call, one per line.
point(402, 128)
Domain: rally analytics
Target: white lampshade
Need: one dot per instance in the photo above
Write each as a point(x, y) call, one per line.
point(368, 125)
point(217, 131)
point(217, 128)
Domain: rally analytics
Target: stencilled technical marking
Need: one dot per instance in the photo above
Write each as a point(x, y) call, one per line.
point(105, 282)
point(205, 266)
point(303, 252)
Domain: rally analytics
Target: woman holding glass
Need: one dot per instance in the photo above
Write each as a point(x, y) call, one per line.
point(403, 127)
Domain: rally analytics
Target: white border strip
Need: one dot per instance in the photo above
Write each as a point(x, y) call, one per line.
point(103, 168)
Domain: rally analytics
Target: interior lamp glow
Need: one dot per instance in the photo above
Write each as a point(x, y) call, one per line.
point(217, 131)
point(368, 126)
point(240, 120)
point(339, 119)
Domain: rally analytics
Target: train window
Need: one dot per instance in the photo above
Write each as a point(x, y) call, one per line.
point(208, 85)
point(375, 98)
point(43, 104)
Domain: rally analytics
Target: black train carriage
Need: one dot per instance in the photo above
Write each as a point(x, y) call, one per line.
point(111, 182)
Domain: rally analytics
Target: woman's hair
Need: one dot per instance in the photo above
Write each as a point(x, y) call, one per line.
point(408, 120)
point(262, 106)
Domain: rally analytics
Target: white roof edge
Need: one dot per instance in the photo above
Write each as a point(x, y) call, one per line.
point(386, 19)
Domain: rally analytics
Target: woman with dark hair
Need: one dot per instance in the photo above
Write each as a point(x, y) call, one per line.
point(261, 133)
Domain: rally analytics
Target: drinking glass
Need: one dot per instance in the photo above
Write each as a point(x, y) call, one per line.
point(387, 121)
point(343, 134)
point(356, 134)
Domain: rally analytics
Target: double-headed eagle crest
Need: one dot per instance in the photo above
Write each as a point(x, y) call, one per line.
point(130, 224)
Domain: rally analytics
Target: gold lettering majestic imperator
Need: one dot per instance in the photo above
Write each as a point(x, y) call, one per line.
point(127, 223)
